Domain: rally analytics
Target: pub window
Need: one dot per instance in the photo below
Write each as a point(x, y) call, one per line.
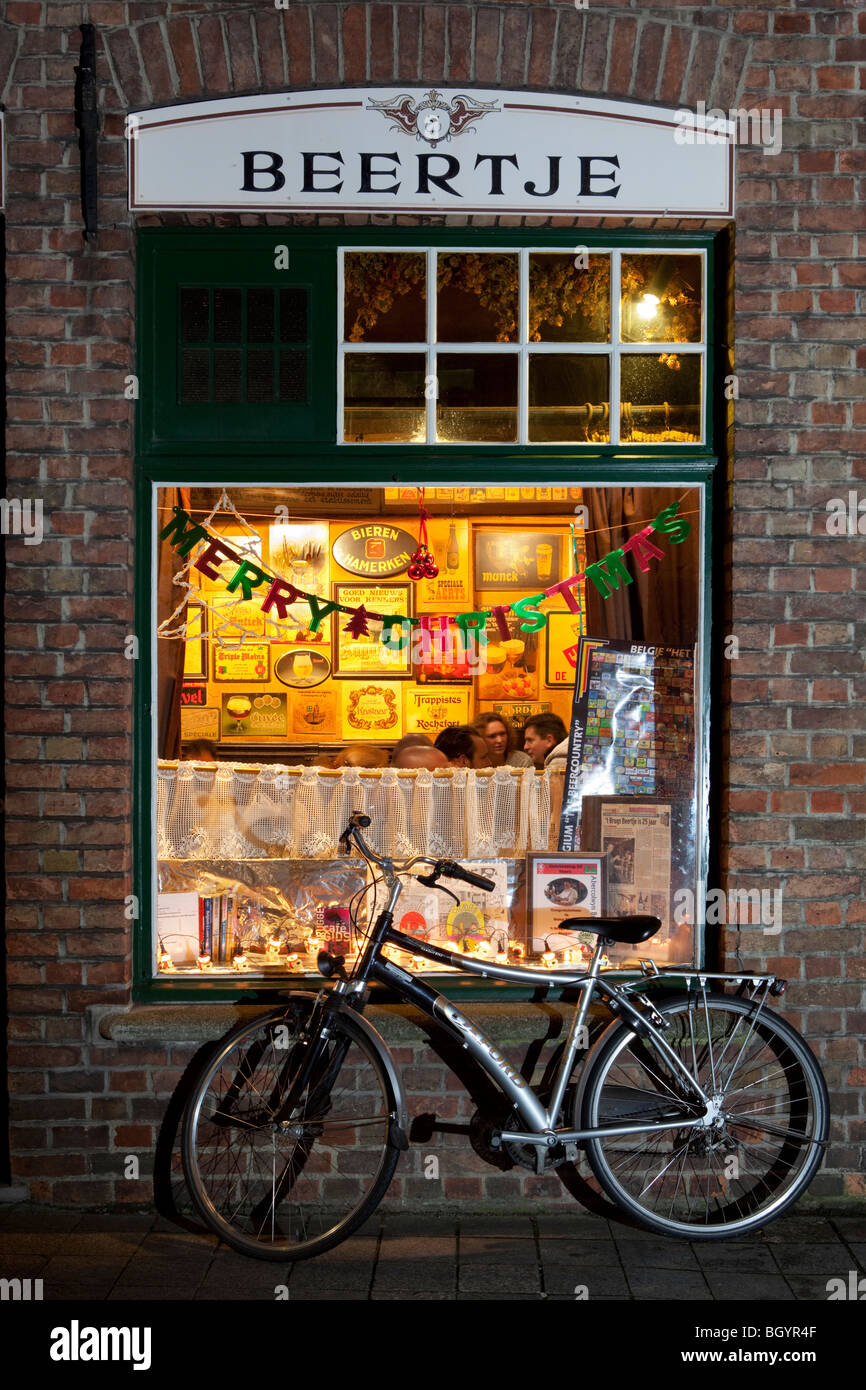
point(522, 347)
point(282, 694)
point(531, 376)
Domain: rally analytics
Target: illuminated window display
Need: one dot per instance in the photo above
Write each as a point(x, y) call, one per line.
point(299, 639)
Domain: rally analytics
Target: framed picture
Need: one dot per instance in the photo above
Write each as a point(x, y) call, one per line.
point(299, 554)
point(442, 658)
point(636, 833)
point(559, 887)
point(517, 559)
point(371, 711)
point(195, 652)
point(562, 635)
point(249, 662)
point(251, 715)
point(354, 657)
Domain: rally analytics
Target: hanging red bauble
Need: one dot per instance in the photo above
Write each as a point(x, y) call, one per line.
point(423, 565)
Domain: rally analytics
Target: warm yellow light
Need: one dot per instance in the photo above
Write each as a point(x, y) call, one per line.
point(648, 306)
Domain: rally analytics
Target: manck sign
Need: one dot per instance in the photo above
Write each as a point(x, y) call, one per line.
point(426, 150)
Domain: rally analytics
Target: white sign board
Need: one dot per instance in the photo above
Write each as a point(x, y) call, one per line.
point(415, 150)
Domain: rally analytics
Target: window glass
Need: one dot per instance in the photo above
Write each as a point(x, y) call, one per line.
point(569, 298)
point(278, 714)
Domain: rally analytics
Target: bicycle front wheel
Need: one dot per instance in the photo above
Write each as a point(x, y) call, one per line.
point(747, 1161)
point(288, 1186)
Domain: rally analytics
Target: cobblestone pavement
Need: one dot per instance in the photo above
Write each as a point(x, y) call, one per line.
point(83, 1256)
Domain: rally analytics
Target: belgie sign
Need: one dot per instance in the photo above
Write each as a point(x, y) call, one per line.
point(376, 150)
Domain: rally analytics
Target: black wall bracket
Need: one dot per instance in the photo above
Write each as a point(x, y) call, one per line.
point(86, 120)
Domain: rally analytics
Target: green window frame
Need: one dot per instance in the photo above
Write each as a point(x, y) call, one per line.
point(277, 443)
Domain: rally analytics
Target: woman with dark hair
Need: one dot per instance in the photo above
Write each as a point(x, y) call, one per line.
point(501, 739)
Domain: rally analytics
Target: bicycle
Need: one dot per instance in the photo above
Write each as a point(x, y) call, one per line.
point(703, 1115)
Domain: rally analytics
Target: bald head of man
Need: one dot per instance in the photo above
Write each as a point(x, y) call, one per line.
point(420, 755)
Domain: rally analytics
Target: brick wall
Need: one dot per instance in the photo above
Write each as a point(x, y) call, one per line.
point(795, 746)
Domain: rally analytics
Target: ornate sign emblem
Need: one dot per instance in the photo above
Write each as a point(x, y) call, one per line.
point(432, 118)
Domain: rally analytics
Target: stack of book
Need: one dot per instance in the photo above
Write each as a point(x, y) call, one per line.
point(218, 928)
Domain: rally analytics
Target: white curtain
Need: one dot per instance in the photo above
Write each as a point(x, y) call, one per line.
point(237, 811)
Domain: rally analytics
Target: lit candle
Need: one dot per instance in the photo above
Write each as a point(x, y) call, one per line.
point(548, 960)
point(165, 962)
point(204, 962)
point(240, 962)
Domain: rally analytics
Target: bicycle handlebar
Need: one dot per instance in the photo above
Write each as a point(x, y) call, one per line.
point(442, 868)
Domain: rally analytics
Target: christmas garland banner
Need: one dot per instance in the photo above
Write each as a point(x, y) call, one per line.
point(250, 581)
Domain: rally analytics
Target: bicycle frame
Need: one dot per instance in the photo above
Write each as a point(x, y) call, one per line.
point(541, 1123)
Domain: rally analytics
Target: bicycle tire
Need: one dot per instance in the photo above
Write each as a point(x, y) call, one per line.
point(721, 1167)
point(334, 1166)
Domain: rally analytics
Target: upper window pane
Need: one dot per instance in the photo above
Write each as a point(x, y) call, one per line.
point(384, 297)
point(569, 301)
point(477, 297)
point(661, 299)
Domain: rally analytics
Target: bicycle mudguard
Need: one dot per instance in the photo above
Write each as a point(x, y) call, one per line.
point(376, 1040)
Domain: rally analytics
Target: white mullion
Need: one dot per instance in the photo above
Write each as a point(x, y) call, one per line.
point(614, 389)
point(523, 346)
point(432, 356)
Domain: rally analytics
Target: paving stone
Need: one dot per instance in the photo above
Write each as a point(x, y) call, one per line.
point(349, 1274)
point(517, 1227)
point(410, 1223)
point(82, 1269)
point(78, 1293)
point(330, 1296)
point(797, 1258)
point(727, 1258)
point(480, 1249)
point(747, 1288)
point(425, 1274)
point(418, 1248)
point(796, 1227)
point(117, 1245)
point(850, 1227)
point(382, 1295)
point(684, 1285)
point(26, 1218)
point(561, 1281)
point(578, 1226)
point(22, 1264)
point(666, 1254)
point(587, 1254)
point(503, 1279)
point(813, 1287)
point(464, 1297)
point(150, 1293)
point(113, 1221)
point(15, 1243)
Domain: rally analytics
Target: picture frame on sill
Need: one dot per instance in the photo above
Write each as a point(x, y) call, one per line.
point(367, 656)
point(560, 886)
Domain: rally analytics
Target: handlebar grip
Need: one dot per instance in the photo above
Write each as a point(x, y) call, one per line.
point(358, 820)
point(449, 869)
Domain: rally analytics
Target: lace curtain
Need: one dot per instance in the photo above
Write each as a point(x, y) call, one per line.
point(233, 811)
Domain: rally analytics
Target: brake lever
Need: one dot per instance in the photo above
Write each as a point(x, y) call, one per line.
point(432, 881)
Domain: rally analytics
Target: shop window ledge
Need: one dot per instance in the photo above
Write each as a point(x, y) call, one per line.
point(400, 1024)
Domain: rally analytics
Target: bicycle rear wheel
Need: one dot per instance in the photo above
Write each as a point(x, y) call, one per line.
point(721, 1179)
point(289, 1187)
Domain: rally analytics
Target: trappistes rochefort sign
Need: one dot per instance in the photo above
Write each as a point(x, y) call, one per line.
point(413, 150)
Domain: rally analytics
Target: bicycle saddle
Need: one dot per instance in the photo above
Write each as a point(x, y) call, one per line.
point(630, 930)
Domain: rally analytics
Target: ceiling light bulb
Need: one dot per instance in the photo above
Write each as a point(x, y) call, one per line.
point(648, 306)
